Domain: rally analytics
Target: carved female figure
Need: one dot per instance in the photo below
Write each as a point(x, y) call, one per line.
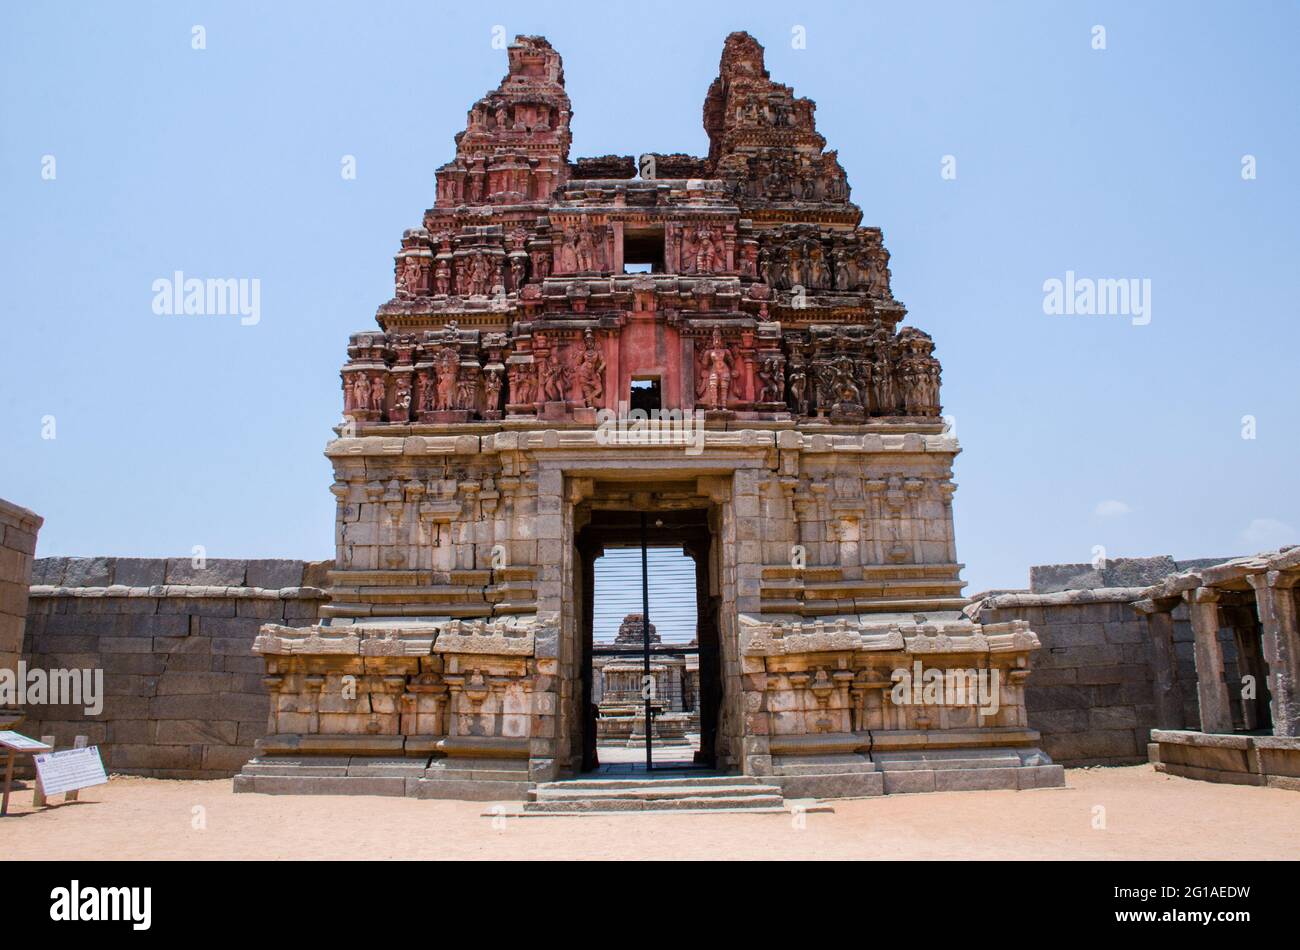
point(492, 389)
point(401, 411)
point(448, 362)
point(716, 380)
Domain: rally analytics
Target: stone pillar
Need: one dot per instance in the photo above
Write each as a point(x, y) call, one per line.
point(1275, 599)
point(1211, 688)
point(18, 528)
point(1166, 696)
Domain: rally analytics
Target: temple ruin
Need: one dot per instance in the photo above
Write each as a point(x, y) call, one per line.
point(710, 341)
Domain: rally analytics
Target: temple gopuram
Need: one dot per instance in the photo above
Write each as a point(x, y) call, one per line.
point(575, 346)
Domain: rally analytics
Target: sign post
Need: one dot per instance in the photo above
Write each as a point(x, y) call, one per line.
point(70, 770)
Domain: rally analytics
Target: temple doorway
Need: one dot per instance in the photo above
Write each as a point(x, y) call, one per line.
point(651, 690)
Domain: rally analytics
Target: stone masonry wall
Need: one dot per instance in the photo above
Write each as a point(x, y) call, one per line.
point(184, 696)
point(18, 528)
point(1090, 693)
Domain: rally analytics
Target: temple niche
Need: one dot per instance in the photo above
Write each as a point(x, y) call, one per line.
point(475, 478)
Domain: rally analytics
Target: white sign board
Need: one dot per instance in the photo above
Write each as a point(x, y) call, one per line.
point(70, 770)
point(21, 743)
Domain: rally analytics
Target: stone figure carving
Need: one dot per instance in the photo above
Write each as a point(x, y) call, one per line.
point(480, 277)
point(425, 393)
point(588, 259)
point(708, 253)
point(569, 252)
point(442, 277)
point(448, 365)
point(378, 391)
point(522, 383)
point(688, 256)
point(466, 391)
point(360, 392)
point(552, 374)
point(845, 382)
point(401, 411)
point(591, 372)
point(798, 386)
point(541, 263)
point(771, 377)
point(492, 381)
point(715, 381)
point(411, 276)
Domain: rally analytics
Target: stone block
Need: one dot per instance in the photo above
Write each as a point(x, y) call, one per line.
point(87, 572)
point(226, 759)
point(1041, 776)
point(273, 574)
point(959, 780)
point(469, 790)
point(1060, 720)
point(197, 732)
point(1114, 717)
point(1092, 746)
point(907, 782)
point(132, 732)
point(215, 572)
point(124, 758)
point(139, 571)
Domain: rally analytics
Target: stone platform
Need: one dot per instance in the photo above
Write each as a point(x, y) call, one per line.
point(462, 779)
point(1231, 759)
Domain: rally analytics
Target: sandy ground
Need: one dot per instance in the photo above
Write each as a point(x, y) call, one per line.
point(1146, 814)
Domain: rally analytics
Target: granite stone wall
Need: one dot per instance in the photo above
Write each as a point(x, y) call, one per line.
point(1090, 692)
point(18, 528)
point(183, 691)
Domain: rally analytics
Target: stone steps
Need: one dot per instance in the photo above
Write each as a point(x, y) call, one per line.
point(676, 793)
point(605, 806)
point(654, 793)
point(678, 779)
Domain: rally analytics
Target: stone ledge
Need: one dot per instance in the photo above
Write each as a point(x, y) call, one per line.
point(181, 591)
point(509, 636)
point(668, 436)
point(784, 638)
point(149, 573)
point(1096, 595)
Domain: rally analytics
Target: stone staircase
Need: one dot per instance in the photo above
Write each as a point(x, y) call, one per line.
point(657, 793)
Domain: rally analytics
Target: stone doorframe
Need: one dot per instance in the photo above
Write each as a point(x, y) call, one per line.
point(564, 485)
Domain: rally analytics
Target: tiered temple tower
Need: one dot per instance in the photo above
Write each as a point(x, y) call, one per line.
point(486, 458)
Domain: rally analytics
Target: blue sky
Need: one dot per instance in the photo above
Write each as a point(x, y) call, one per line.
point(225, 162)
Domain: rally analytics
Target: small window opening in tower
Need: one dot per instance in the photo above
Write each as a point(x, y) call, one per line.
point(643, 251)
point(645, 394)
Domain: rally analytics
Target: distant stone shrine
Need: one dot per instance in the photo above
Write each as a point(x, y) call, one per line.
point(710, 341)
point(618, 689)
